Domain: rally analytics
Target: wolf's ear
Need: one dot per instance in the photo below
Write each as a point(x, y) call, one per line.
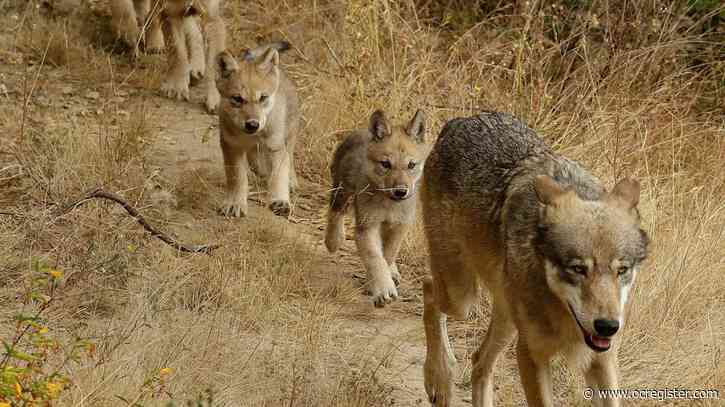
point(269, 61)
point(416, 127)
point(547, 189)
point(226, 64)
point(626, 192)
point(379, 126)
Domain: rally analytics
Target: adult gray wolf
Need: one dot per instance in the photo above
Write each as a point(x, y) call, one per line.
point(558, 253)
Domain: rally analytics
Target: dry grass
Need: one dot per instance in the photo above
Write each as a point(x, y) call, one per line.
point(270, 319)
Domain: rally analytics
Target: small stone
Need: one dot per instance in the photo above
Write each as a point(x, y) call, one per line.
point(93, 95)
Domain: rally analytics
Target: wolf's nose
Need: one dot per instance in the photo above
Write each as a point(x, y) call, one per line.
point(251, 126)
point(400, 193)
point(606, 327)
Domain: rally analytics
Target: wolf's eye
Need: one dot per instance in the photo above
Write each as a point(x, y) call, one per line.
point(579, 269)
point(412, 165)
point(238, 100)
point(622, 270)
point(263, 98)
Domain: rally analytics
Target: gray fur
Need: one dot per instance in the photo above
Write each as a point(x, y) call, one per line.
point(554, 248)
point(254, 53)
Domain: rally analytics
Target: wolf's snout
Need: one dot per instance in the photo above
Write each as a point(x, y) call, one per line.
point(400, 192)
point(606, 327)
point(251, 126)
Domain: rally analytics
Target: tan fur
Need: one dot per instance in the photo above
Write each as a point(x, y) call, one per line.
point(379, 170)
point(259, 121)
point(140, 23)
point(557, 253)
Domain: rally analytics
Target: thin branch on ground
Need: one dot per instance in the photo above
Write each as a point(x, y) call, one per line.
point(101, 194)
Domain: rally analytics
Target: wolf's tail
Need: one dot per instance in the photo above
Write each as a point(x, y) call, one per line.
point(254, 53)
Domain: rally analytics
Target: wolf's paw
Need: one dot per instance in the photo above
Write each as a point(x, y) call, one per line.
point(233, 208)
point(154, 50)
point(383, 291)
point(212, 100)
point(154, 44)
point(438, 383)
point(174, 88)
point(280, 208)
point(333, 238)
point(196, 74)
point(395, 274)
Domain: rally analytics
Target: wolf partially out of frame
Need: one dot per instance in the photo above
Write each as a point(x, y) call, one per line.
point(557, 252)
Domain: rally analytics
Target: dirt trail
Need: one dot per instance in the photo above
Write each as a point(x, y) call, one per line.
point(188, 153)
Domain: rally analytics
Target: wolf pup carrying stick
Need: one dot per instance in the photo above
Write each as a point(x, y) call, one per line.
point(379, 170)
point(558, 253)
point(258, 121)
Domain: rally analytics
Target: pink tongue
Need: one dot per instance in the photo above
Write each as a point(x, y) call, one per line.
point(600, 342)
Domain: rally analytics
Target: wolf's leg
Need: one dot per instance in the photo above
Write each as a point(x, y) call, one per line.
point(501, 332)
point(195, 42)
point(369, 242)
point(125, 24)
point(154, 34)
point(237, 188)
point(602, 374)
point(279, 182)
point(335, 230)
point(215, 31)
point(144, 18)
point(292, 172)
point(535, 376)
point(439, 358)
point(393, 235)
point(142, 8)
point(291, 143)
point(176, 85)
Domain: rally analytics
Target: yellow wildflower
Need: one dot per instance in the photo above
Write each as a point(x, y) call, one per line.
point(166, 371)
point(56, 274)
point(54, 389)
point(18, 390)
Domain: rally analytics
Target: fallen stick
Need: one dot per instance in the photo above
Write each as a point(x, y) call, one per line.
point(99, 193)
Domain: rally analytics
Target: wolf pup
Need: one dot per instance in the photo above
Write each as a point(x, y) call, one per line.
point(558, 253)
point(258, 122)
point(378, 169)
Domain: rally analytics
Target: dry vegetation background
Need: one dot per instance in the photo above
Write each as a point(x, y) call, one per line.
point(628, 88)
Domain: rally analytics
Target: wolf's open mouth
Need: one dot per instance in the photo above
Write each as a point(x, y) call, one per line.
point(597, 343)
